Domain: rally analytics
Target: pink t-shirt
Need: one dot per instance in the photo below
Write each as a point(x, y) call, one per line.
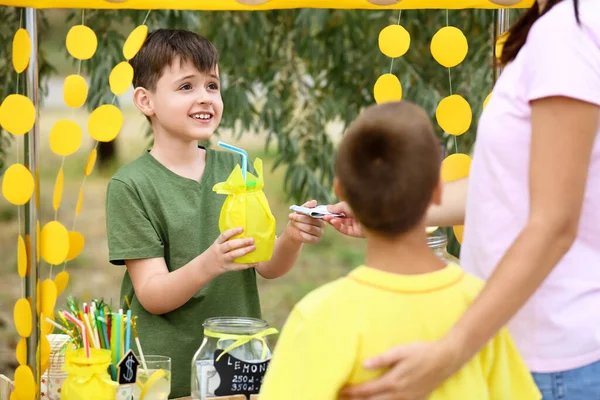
point(559, 328)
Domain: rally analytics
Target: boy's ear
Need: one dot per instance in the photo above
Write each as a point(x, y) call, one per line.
point(142, 100)
point(436, 196)
point(337, 188)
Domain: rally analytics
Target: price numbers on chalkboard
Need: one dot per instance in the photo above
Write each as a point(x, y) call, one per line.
point(237, 376)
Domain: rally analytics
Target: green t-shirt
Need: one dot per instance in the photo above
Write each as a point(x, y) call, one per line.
point(153, 212)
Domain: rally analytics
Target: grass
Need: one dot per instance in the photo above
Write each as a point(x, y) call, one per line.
point(91, 274)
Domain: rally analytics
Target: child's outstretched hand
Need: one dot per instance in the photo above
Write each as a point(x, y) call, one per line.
point(347, 225)
point(305, 229)
point(219, 257)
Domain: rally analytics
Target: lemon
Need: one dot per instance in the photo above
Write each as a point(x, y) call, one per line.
point(157, 387)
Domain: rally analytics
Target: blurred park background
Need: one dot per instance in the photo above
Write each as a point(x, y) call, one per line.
point(292, 81)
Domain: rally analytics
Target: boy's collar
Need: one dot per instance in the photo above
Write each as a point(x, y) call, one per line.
point(446, 277)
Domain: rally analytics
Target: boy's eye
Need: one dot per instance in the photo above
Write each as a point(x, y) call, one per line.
point(186, 86)
point(213, 86)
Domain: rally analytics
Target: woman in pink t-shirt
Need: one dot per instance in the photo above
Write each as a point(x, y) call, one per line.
point(531, 209)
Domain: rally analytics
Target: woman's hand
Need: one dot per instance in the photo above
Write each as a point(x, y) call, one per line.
point(416, 370)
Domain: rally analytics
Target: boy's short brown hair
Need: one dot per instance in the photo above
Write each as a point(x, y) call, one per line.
point(162, 47)
point(388, 165)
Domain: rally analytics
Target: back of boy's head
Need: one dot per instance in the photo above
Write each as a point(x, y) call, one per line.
point(163, 47)
point(388, 165)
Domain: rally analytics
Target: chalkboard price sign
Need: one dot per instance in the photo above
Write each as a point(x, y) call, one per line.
point(237, 376)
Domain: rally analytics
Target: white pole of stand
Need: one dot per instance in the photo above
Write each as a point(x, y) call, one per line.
point(31, 208)
point(502, 25)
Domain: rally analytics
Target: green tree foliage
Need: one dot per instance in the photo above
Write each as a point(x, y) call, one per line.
point(291, 73)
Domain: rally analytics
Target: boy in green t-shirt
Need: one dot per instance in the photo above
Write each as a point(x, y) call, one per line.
point(162, 215)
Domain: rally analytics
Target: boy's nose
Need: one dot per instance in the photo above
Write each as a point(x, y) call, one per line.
point(204, 97)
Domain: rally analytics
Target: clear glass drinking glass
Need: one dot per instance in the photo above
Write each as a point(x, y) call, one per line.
point(154, 382)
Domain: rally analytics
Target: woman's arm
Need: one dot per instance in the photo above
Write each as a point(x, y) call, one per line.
point(563, 134)
point(451, 212)
point(454, 202)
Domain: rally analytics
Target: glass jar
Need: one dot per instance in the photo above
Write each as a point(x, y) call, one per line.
point(232, 358)
point(437, 242)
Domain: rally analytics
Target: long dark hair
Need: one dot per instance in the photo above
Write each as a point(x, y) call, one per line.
point(519, 31)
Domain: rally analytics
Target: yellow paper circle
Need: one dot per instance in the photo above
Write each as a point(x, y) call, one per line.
point(21, 257)
point(134, 41)
point(49, 293)
point(455, 166)
point(500, 44)
point(58, 189)
point(91, 161)
point(17, 114)
point(81, 42)
point(459, 232)
point(105, 123)
point(454, 115)
point(44, 345)
point(394, 41)
point(54, 243)
point(487, 99)
point(46, 327)
point(120, 78)
point(79, 202)
point(449, 46)
point(21, 50)
point(17, 185)
point(65, 137)
point(76, 243)
point(61, 280)
point(21, 352)
point(25, 387)
point(23, 318)
point(387, 88)
point(75, 91)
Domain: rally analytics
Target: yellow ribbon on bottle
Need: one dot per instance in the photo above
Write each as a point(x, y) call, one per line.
point(241, 340)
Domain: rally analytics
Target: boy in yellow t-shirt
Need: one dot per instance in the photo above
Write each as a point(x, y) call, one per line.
point(387, 170)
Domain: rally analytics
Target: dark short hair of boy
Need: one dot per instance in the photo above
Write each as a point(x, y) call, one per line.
point(388, 165)
point(163, 47)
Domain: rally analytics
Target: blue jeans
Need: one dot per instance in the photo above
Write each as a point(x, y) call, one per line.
point(575, 384)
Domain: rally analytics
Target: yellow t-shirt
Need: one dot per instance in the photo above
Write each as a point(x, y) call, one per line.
point(334, 329)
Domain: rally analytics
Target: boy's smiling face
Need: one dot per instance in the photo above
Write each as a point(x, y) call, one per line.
point(186, 103)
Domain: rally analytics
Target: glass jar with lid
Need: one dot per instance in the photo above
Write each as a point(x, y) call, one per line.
point(438, 242)
point(232, 358)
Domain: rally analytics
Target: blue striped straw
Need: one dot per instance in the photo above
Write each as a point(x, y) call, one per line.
point(128, 334)
point(239, 151)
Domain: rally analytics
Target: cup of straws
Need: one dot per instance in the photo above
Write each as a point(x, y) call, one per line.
point(102, 364)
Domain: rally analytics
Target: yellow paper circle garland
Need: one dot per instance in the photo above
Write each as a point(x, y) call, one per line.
point(81, 42)
point(394, 41)
point(387, 88)
point(17, 114)
point(454, 115)
point(21, 50)
point(449, 46)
